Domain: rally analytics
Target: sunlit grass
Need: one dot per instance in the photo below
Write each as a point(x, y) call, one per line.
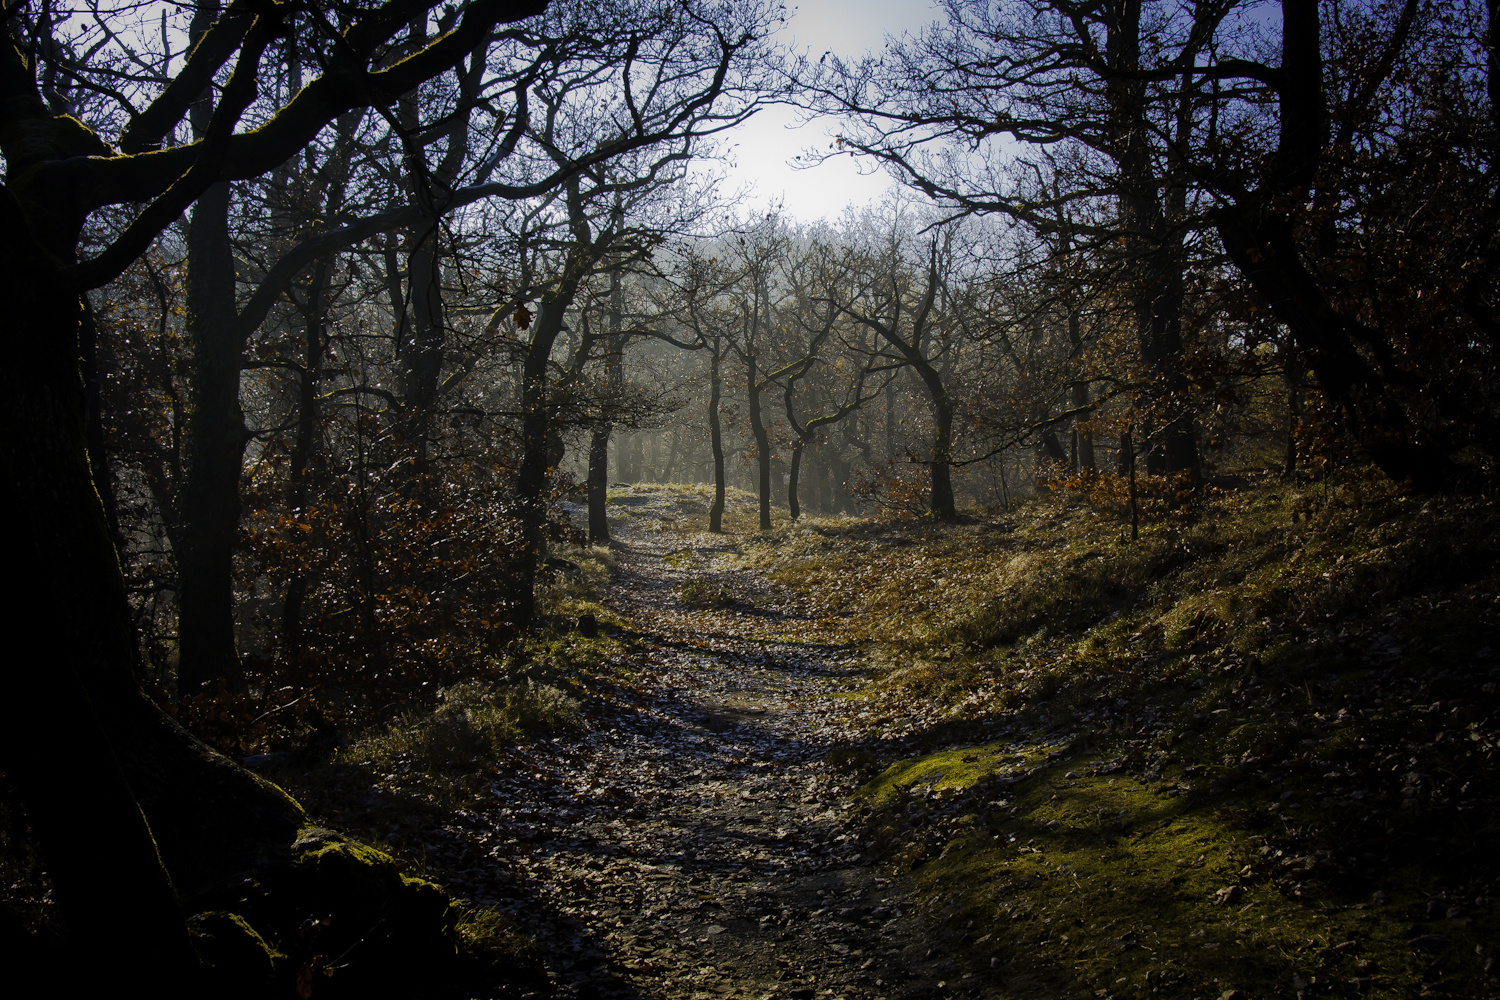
point(470, 722)
point(1159, 818)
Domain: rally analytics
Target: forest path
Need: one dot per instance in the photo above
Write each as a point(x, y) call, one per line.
point(695, 842)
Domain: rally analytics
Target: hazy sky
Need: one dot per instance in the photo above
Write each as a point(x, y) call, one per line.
point(763, 147)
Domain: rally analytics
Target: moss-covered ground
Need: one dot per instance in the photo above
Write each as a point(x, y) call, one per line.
point(1252, 751)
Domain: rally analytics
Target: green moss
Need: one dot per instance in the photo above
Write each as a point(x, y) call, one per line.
point(957, 768)
point(344, 917)
point(1109, 882)
point(1256, 745)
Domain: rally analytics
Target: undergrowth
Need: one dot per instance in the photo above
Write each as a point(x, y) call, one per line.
point(470, 721)
point(700, 594)
point(576, 573)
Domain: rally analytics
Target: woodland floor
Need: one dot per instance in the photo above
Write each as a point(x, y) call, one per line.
point(1251, 755)
point(695, 841)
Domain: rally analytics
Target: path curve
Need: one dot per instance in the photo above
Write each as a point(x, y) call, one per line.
point(695, 842)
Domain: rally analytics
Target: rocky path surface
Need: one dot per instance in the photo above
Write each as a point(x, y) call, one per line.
point(695, 842)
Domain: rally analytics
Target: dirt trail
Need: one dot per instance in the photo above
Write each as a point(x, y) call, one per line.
point(695, 843)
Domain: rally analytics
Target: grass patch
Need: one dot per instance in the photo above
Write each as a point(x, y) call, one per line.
point(1075, 873)
point(493, 940)
point(675, 507)
point(393, 780)
point(471, 721)
point(575, 576)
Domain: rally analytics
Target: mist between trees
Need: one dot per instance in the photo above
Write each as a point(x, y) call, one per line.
point(372, 302)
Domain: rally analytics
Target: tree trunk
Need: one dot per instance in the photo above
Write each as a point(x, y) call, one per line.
point(633, 457)
point(614, 367)
point(207, 652)
point(95, 844)
point(531, 478)
point(419, 352)
point(941, 475)
point(119, 797)
point(793, 474)
point(1083, 438)
point(716, 438)
point(357, 522)
point(1050, 448)
point(942, 491)
point(843, 503)
point(890, 421)
point(536, 442)
point(650, 451)
point(672, 454)
point(1262, 245)
point(420, 322)
point(762, 444)
point(299, 475)
point(1154, 249)
point(598, 485)
point(93, 381)
point(1159, 317)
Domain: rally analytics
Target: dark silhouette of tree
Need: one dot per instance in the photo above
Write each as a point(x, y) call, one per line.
point(1170, 139)
point(1365, 220)
point(821, 384)
point(1036, 88)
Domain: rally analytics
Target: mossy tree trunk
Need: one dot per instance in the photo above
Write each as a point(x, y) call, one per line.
point(118, 795)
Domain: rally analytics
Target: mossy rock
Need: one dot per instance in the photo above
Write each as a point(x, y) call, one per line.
point(344, 875)
point(336, 918)
point(360, 924)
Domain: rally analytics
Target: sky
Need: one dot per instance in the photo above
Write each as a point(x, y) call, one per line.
point(762, 148)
